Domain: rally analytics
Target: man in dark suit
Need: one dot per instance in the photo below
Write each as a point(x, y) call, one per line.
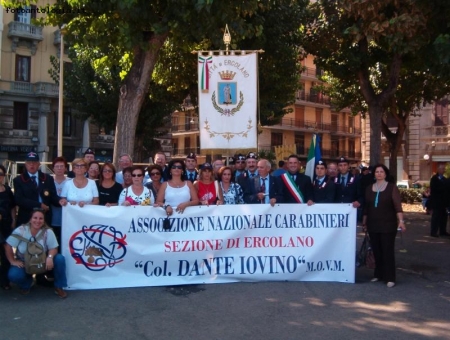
point(34, 189)
point(324, 188)
point(348, 187)
point(439, 202)
point(191, 164)
point(261, 189)
point(295, 187)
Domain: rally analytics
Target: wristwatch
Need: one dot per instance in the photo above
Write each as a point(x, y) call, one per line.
point(50, 256)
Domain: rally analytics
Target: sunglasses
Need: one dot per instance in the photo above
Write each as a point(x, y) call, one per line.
point(177, 167)
point(137, 175)
point(155, 174)
point(106, 170)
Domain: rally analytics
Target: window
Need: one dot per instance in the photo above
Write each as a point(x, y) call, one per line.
point(299, 116)
point(187, 144)
point(23, 66)
point(441, 113)
point(26, 14)
point(20, 121)
point(351, 148)
point(67, 122)
point(319, 113)
point(175, 146)
point(276, 138)
point(334, 122)
point(335, 147)
point(299, 140)
point(351, 124)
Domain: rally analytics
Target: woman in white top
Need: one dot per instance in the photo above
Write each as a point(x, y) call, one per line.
point(136, 193)
point(176, 193)
point(80, 190)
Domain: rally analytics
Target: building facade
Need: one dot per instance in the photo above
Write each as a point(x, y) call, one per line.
point(29, 96)
point(426, 142)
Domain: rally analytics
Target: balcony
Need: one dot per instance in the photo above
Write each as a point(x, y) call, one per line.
point(440, 131)
point(327, 154)
point(57, 41)
point(304, 125)
point(19, 31)
point(311, 72)
point(345, 130)
point(313, 97)
point(185, 151)
point(40, 89)
point(187, 127)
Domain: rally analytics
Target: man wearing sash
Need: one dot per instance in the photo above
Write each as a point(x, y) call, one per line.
point(324, 187)
point(295, 187)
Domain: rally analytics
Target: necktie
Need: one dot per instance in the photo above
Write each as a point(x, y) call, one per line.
point(33, 179)
point(191, 177)
point(343, 181)
point(263, 189)
point(252, 175)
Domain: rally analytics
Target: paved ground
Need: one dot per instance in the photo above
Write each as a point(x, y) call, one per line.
point(417, 308)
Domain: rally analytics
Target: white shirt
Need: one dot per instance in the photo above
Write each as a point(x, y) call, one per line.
point(74, 194)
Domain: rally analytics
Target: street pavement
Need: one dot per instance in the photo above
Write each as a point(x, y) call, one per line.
point(418, 307)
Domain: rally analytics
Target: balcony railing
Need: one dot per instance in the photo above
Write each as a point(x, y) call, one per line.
point(21, 31)
point(441, 131)
point(186, 151)
point(345, 129)
point(184, 127)
point(313, 97)
point(302, 151)
point(312, 72)
point(39, 89)
point(304, 124)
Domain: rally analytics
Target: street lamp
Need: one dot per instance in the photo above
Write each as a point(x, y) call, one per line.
point(60, 92)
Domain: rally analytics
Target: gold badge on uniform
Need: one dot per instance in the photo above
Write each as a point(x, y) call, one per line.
point(46, 193)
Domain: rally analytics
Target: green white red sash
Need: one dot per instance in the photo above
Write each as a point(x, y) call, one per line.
point(204, 77)
point(292, 187)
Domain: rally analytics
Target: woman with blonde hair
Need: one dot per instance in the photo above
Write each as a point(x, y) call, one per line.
point(80, 190)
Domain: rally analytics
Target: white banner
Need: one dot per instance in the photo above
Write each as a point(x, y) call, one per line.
point(128, 247)
point(228, 101)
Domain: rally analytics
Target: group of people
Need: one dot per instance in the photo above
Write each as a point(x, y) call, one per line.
point(177, 185)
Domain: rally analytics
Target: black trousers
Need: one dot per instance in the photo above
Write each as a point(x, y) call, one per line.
point(383, 249)
point(439, 221)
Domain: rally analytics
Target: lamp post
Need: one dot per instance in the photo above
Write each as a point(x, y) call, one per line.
point(60, 93)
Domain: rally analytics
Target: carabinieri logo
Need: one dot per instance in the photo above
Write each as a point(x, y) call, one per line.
point(98, 246)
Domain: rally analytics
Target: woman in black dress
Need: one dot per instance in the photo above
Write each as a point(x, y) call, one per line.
point(108, 189)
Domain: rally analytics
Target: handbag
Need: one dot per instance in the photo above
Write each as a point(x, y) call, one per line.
point(365, 255)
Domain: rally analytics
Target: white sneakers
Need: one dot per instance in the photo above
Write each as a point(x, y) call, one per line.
point(375, 279)
point(390, 284)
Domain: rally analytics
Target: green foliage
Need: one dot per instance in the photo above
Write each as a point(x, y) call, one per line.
point(267, 154)
point(411, 195)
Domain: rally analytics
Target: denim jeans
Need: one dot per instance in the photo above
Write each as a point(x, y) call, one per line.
point(23, 280)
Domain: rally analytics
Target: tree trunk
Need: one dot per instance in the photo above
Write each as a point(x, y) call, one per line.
point(132, 95)
point(375, 116)
point(394, 141)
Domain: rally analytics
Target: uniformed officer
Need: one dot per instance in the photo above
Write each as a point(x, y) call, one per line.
point(348, 188)
point(324, 188)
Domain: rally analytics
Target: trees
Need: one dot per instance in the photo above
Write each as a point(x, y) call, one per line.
point(372, 49)
point(135, 34)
